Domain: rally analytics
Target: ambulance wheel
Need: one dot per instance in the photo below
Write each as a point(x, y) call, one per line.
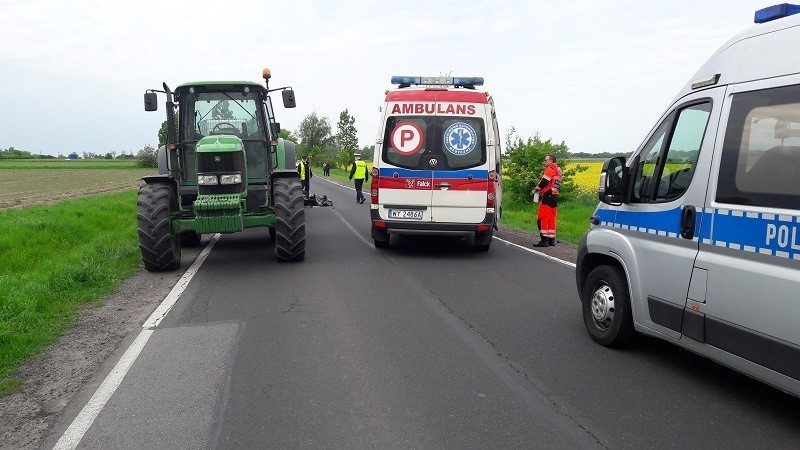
point(380, 238)
point(483, 241)
point(290, 220)
point(607, 307)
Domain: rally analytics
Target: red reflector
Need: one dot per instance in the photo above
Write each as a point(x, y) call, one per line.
point(373, 191)
point(483, 228)
point(491, 189)
point(379, 224)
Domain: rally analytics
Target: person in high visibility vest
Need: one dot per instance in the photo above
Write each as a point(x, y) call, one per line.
point(547, 191)
point(360, 174)
point(304, 169)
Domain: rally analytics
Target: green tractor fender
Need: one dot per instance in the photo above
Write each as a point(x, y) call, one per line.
point(287, 156)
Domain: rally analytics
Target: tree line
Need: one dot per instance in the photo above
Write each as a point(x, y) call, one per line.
point(321, 144)
point(13, 153)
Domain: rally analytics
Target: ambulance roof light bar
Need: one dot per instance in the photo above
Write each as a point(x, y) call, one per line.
point(467, 82)
point(774, 12)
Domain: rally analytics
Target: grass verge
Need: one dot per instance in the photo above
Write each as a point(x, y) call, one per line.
point(53, 259)
point(571, 224)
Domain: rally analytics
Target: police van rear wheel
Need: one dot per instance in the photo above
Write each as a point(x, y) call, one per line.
point(607, 307)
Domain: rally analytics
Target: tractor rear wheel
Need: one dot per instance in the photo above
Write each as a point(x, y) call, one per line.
point(290, 220)
point(160, 247)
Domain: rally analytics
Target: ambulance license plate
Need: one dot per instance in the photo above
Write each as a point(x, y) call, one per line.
point(413, 214)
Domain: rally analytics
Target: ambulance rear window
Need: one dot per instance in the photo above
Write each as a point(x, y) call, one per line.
point(434, 142)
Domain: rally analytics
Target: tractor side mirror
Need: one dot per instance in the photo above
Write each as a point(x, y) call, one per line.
point(288, 98)
point(150, 101)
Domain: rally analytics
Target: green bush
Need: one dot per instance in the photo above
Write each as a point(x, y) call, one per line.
point(525, 164)
point(147, 157)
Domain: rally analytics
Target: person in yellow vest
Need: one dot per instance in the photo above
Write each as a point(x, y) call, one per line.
point(304, 169)
point(359, 173)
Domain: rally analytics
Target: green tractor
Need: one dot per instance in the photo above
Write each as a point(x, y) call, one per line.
point(223, 169)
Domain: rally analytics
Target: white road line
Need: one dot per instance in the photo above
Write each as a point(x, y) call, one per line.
point(74, 434)
point(566, 263)
point(72, 437)
point(180, 286)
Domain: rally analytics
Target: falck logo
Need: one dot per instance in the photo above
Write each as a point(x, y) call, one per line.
point(433, 162)
point(410, 183)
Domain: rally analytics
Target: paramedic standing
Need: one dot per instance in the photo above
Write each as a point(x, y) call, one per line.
point(359, 173)
point(304, 169)
point(548, 207)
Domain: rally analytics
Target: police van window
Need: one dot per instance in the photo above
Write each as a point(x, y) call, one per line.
point(760, 162)
point(412, 142)
point(668, 160)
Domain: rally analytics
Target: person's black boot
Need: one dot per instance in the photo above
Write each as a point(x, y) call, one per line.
point(542, 243)
point(551, 242)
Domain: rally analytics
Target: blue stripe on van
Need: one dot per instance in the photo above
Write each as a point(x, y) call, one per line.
point(664, 223)
point(763, 233)
point(452, 174)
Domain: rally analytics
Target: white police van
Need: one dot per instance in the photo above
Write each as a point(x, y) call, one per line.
point(437, 165)
point(697, 237)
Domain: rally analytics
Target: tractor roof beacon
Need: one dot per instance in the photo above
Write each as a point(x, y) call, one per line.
point(223, 169)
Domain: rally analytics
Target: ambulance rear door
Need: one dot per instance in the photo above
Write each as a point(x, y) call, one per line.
point(460, 177)
point(406, 169)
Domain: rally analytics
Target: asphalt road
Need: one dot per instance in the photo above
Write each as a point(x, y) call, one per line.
point(425, 344)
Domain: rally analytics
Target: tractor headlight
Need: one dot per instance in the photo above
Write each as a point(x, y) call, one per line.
point(207, 180)
point(234, 178)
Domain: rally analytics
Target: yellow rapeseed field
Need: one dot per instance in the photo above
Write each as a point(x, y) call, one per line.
point(587, 181)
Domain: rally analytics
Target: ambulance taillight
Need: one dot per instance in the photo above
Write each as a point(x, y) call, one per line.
point(373, 189)
point(490, 192)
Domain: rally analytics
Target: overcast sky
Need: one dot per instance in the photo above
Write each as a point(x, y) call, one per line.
point(594, 74)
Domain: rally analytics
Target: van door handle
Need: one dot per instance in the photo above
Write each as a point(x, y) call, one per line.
point(688, 220)
point(444, 186)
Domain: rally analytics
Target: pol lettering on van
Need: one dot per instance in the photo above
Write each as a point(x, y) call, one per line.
point(437, 167)
point(785, 236)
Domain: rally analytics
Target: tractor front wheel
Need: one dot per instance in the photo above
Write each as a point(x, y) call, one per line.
point(160, 247)
point(290, 220)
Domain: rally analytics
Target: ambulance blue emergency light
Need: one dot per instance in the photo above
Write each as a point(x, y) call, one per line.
point(406, 81)
point(776, 12)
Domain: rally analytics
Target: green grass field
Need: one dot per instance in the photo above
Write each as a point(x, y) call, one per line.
point(67, 164)
point(53, 258)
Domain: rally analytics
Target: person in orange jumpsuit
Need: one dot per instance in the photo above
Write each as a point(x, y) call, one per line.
point(548, 207)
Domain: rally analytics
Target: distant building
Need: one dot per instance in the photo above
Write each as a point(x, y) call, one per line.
point(72, 155)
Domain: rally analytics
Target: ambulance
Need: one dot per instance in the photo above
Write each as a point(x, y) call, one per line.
point(437, 165)
point(696, 239)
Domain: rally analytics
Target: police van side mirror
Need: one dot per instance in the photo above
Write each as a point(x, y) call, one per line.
point(150, 101)
point(613, 181)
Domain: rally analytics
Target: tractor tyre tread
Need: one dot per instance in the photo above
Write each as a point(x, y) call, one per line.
point(160, 248)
